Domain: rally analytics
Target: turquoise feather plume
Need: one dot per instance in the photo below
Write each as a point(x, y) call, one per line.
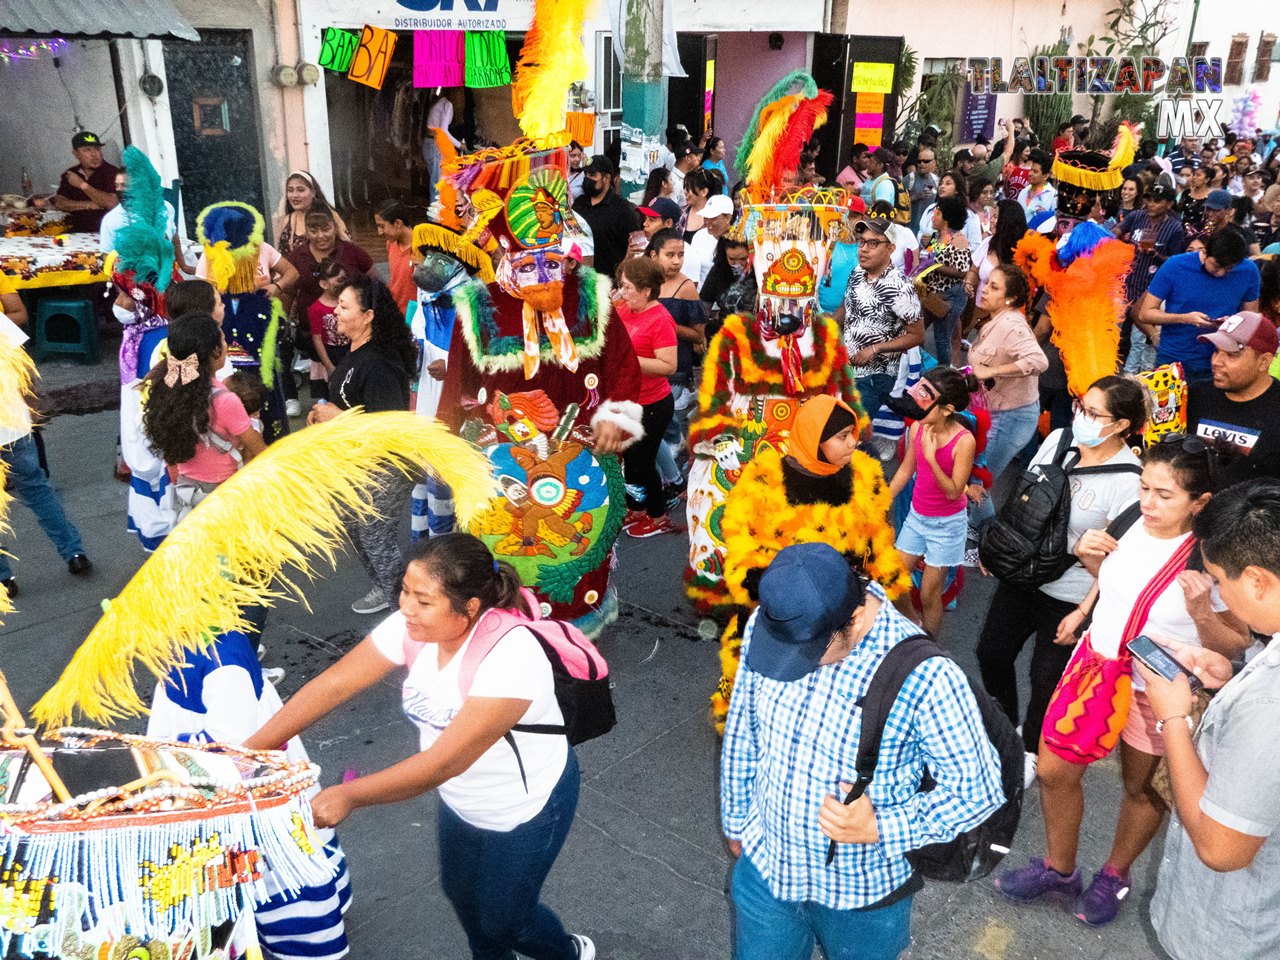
point(142, 243)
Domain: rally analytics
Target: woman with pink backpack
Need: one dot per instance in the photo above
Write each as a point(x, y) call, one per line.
point(497, 697)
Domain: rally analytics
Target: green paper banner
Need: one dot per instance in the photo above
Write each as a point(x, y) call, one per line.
point(487, 63)
point(337, 48)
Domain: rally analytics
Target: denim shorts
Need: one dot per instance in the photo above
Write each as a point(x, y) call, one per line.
point(940, 540)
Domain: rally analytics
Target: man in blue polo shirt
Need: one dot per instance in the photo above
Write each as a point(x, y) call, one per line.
point(1192, 292)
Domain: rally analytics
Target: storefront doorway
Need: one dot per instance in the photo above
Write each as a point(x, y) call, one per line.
point(215, 120)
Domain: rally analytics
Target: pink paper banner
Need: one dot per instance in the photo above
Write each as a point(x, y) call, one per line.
point(438, 58)
point(863, 120)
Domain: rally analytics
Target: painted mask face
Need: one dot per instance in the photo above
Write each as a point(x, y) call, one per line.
point(791, 244)
point(436, 271)
point(537, 278)
point(790, 276)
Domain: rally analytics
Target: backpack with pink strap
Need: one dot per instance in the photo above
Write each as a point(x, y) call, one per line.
point(581, 674)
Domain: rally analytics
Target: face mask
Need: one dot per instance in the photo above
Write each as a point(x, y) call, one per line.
point(1087, 433)
point(227, 369)
point(589, 187)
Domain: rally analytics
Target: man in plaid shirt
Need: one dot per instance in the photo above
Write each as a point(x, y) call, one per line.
point(790, 748)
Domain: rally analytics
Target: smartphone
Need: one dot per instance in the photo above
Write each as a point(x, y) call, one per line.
point(1157, 659)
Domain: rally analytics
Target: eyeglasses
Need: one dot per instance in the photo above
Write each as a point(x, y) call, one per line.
point(1081, 410)
point(871, 244)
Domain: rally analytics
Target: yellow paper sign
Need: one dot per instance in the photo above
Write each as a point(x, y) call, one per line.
point(373, 57)
point(872, 78)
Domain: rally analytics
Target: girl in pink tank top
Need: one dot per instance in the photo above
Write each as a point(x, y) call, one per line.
point(939, 459)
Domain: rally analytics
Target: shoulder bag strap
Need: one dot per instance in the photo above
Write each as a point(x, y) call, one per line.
point(1151, 592)
point(876, 704)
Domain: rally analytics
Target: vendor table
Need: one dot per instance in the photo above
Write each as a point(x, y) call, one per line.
point(31, 222)
point(67, 260)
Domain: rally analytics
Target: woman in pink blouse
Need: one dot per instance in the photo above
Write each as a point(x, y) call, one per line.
point(1008, 360)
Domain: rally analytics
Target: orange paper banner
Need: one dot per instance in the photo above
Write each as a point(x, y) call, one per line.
point(372, 57)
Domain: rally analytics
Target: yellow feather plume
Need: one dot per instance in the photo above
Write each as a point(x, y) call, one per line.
point(285, 508)
point(551, 60)
point(16, 373)
point(773, 126)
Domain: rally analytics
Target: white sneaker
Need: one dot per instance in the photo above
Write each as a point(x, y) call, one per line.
point(292, 408)
point(273, 675)
point(371, 602)
point(586, 949)
point(1029, 771)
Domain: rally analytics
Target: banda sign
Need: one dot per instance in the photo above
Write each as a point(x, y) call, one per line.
point(372, 57)
point(337, 48)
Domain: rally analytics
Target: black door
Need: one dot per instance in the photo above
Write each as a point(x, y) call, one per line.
point(686, 96)
point(215, 120)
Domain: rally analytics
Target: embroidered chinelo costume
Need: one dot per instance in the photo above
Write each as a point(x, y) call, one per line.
point(759, 369)
point(778, 502)
point(539, 360)
point(119, 846)
point(142, 269)
point(231, 233)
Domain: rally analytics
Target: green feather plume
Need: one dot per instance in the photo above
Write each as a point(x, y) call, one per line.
point(143, 244)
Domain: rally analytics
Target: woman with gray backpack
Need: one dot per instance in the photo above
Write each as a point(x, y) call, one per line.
point(1086, 475)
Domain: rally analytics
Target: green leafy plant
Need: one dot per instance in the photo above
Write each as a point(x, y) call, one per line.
point(936, 103)
point(1045, 112)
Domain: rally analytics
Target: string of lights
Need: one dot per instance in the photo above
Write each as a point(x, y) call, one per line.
point(31, 49)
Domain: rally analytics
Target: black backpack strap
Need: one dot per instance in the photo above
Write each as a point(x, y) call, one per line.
point(556, 729)
point(1125, 519)
point(877, 703)
point(1064, 449)
point(519, 761)
point(1107, 468)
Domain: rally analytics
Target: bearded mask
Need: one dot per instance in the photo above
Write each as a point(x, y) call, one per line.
point(534, 276)
point(437, 271)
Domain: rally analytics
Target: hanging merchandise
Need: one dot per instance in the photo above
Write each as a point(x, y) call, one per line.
point(581, 126)
point(438, 58)
point(337, 48)
point(372, 57)
point(487, 63)
point(551, 61)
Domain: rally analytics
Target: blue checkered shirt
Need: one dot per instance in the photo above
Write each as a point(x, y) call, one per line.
point(788, 745)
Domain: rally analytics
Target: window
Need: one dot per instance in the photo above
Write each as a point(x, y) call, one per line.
point(608, 90)
point(1199, 49)
point(1234, 75)
point(1266, 54)
point(935, 67)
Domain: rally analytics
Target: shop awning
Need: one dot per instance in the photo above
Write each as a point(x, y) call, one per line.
point(155, 19)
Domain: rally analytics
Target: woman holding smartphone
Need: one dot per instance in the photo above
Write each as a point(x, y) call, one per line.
point(1143, 587)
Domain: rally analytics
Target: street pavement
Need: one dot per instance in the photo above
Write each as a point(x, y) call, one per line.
point(643, 871)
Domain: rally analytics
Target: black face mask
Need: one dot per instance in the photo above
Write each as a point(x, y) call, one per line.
point(590, 188)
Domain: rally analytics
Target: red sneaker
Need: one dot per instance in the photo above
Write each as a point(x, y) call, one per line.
point(633, 517)
point(652, 527)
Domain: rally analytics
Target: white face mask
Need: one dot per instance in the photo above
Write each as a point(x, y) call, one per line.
point(1086, 432)
point(226, 370)
point(257, 423)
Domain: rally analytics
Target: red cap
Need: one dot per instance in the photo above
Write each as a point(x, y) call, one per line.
point(856, 205)
point(1244, 329)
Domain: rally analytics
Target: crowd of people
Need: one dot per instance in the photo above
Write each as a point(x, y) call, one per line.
point(1168, 533)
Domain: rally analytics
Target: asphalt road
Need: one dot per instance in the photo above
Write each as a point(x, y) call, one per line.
point(643, 871)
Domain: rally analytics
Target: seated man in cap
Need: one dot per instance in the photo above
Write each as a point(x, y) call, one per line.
point(788, 761)
point(87, 190)
point(1239, 412)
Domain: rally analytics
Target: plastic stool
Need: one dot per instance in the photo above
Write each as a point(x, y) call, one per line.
point(66, 326)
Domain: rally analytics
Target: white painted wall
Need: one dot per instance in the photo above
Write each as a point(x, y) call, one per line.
point(39, 113)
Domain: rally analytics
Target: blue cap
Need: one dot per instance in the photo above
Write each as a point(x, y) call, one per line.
point(663, 208)
point(1218, 200)
point(808, 592)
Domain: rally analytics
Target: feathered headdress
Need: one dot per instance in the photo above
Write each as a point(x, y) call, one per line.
point(285, 508)
point(143, 249)
point(1086, 299)
point(16, 373)
point(231, 234)
point(551, 60)
point(784, 120)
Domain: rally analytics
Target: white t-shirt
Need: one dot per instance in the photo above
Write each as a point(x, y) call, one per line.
point(699, 255)
point(1096, 500)
point(1124, 574)
point(489, 794)
point(117, 217)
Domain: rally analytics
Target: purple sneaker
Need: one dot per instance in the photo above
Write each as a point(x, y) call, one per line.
point(1036, 881)
point(1101, 902)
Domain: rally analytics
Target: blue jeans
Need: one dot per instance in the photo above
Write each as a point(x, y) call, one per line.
point(1010, 431)
point(493, 878)
point(944, 329)
point(767, 928)
point(32, 487)
point(874, 391)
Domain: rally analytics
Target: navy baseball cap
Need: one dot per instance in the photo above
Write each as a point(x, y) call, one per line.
point(808, 592)
point(1218, 200)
